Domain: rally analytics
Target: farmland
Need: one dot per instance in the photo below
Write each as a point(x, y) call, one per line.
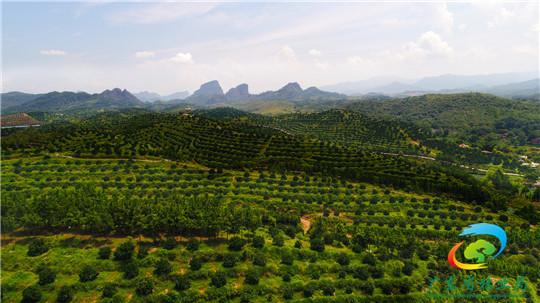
point(173, 208)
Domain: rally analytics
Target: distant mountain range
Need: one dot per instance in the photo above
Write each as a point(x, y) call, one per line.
point(17, 98)
point(57, 101)
point(504, 85)
point(209, 94)
point(151, 97)
point(212, 93)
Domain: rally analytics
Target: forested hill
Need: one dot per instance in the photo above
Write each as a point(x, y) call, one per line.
point(230, 145)
point(474, 117)
point(65, 101)
point(357, 130)
point(342, 127)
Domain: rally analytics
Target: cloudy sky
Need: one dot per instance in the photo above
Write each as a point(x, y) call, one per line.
point(170, 47)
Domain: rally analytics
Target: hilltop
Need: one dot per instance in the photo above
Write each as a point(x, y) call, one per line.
point(58, 101)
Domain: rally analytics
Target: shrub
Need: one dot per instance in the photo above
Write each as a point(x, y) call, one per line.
point(144, 287)
point(368, 287)
point(229, 260)
point(328, 288)
point(259, 259)
point(195, 263)
point(192, 244)
point(245, 297)
point(109, 290)
point(236, 244)
point(169, 244)
point(37, 247)
point(423, 254)
point(369, 259)
point(65, 294)
point(361, 273)
point(182, 283)
point(407, 269)
point(88, 273)
point(278, 240)
point(317, 244)
point(286, 277)
point(258, 242)
point(291, 231)
point(377, 272)
point(47, 276)
point(32, 293)
point(287, 258)
point(343, 259)
point(124, 251)
point(288, 293)
point(104, 252)
point(404, 286)
point(252, 276)
point(298, 244)
point(219, 279)
point(143, 252)
point(308, 290)
point(386, 287)
point(163, 267)
point(130, 269)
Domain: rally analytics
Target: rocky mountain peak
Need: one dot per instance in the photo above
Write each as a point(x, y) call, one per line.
point(209, 88)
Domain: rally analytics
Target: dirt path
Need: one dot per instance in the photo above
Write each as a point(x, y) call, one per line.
point(305, 223)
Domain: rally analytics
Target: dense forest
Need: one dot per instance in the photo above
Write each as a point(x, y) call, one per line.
point(480, 119)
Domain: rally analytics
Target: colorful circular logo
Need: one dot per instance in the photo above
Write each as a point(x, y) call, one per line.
point(478, 250)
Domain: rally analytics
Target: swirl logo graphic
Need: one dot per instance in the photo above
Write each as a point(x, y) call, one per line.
point(479, 249)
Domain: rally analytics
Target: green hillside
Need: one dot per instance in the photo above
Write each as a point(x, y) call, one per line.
point(228, 206)
point(479, 119)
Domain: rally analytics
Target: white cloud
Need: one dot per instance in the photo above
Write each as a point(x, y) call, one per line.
point(428, 45)
point(502, 17)
point(182, 58)
point(446, 18)
point(435, 45)
point(287, 55)
point(315, 52)
point(162, 12)
point(169, 63)
point(357, 60)
point(53, 52)
point(145, 54)
point(497, 13)
point(322, 65)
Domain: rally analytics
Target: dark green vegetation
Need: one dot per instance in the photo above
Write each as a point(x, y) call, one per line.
point(478, 119)
point(56, 101)
point(17, 98)
point(224, 205)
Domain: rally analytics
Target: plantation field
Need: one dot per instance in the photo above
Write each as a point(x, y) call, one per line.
point(263, 235)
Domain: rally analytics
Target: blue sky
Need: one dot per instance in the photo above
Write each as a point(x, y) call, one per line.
point(168, 47)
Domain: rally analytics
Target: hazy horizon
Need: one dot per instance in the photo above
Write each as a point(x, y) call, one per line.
point(172, 47)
